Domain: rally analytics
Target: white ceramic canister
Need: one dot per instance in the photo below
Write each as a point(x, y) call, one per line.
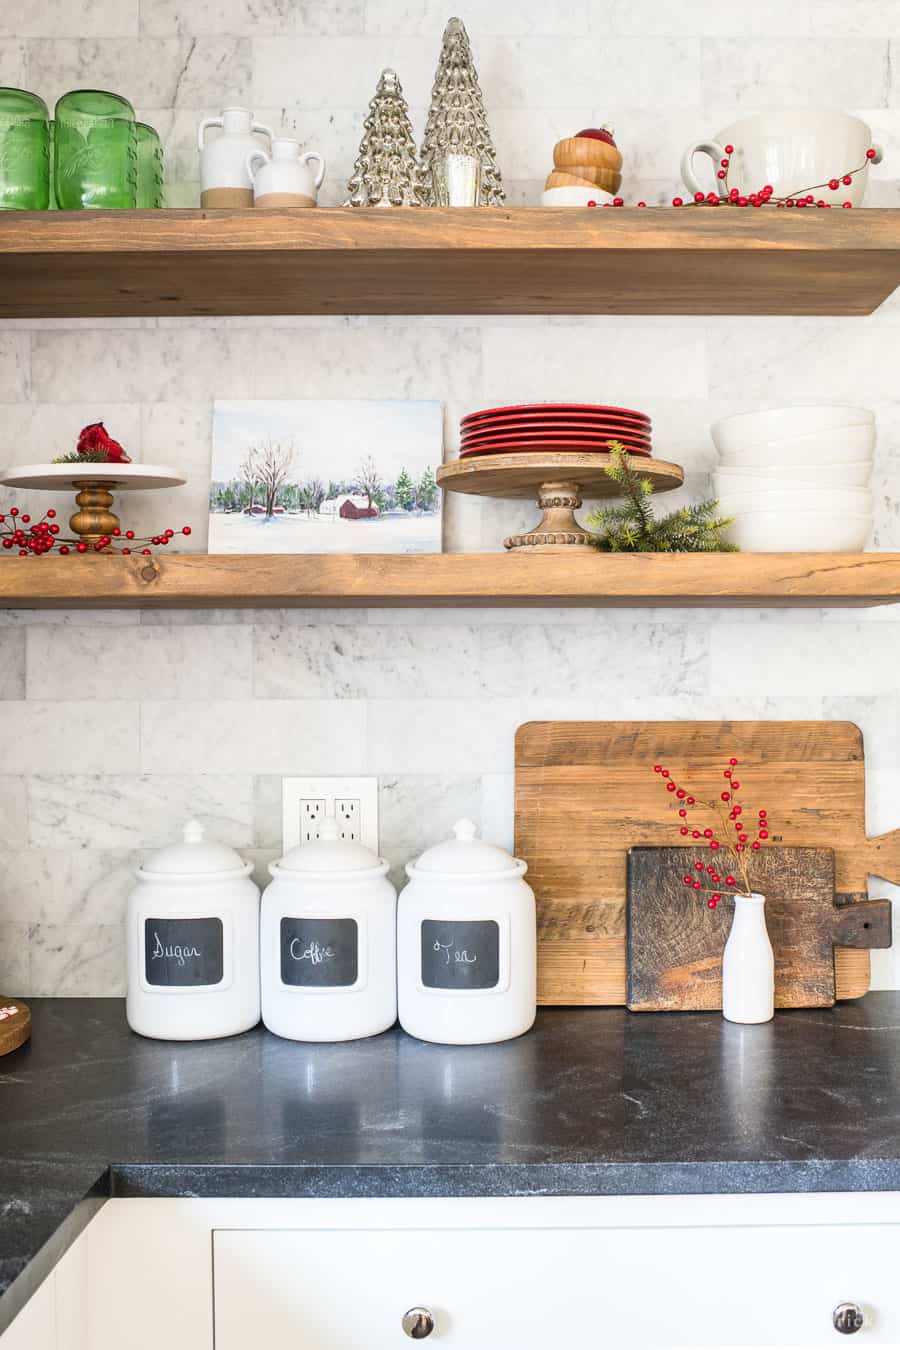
point(224, 180)
point(466, 944)
point(329, 942)
point(285, 177)
point(193, 943)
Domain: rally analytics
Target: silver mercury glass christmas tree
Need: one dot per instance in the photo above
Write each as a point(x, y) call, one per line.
point(386, 172)
point(457, 123)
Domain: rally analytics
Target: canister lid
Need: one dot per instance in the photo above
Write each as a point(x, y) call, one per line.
point(329, 853)
point(466, 854)
point(195, 856)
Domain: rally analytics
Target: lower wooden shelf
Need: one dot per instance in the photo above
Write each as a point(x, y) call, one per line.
point(451, 579)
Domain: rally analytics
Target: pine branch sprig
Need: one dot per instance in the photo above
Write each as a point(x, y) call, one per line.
point(631, 527)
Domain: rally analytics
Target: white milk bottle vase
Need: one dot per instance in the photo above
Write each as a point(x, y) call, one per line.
point(748, 964)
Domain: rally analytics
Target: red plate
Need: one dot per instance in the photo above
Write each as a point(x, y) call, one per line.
point(540, 447)
point(596, 424)
point(530, 409)
point(586, 438)
point(561, 428)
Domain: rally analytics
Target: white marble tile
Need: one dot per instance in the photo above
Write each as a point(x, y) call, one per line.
point(267, 811)
point(510, 18)
point(366, 662)
point(93, 811)
point(452, 736)
point(524, 139)
point(793, 73)
point(12, 664)
point(339, 72)
point(143, 365)
point(408, 362)
point(267, 736)
point(77, 960)
point(545, 72)
point(801, 361)
point(15, 367)
point(154, 72)
point(13, 60)
point(63, 18)
point(416, 811)
point(13, 810)
point(15, 959)
point(70, 737)
point(731, 19)
point(251, 18)
point(176, 618)
point(894, 58)
point(68, 885)
point(885, 965)
point(140, 662)
point(77, 618)
point(788, 661)
point(498, 809)
point(606, 659)
point(623, 367)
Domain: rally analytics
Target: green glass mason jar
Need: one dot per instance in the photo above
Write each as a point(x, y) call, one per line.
point(149, 167)
point(95, 151)
point(24, 152)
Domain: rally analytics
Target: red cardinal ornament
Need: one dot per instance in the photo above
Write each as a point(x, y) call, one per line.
point(94, 438)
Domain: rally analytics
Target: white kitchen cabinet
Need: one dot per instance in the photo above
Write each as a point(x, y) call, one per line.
point(642, 1272)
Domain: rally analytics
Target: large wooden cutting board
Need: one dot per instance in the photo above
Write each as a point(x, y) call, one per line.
point(675, 942)
point(586, 793)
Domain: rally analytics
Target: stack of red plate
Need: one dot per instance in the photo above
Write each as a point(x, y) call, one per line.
point(553, 426)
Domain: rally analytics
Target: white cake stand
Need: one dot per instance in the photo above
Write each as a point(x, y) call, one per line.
point(93, 485)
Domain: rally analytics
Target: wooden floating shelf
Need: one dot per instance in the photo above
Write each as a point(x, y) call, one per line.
point(451, 579)
point(428, 261)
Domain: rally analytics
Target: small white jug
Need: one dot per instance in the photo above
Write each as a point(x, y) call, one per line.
point(224, 180)
point(285, 178)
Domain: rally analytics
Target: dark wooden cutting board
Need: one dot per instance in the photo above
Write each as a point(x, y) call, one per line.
point(586, 793)
point(675, 942)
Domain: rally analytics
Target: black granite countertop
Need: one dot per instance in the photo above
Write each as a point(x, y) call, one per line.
point(592, 1102)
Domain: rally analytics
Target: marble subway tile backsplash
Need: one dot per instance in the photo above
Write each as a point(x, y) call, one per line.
point(115, 726)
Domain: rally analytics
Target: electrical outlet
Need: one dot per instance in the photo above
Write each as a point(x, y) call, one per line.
point(352, 801)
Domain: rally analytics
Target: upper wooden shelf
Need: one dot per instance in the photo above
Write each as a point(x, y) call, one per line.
point(451, 579)
point(428, 261)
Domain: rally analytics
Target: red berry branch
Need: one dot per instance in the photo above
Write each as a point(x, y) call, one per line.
point(732, 839)
point(19, 531)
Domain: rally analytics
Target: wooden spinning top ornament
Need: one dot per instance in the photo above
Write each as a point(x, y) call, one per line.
point(15, 1024)
point(590, 159)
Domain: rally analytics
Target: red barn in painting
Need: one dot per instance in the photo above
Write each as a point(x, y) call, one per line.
point(350, 511)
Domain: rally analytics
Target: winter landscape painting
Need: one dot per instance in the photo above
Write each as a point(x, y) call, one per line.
point(325, 476)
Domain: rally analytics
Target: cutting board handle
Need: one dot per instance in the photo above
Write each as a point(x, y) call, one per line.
point(863, 923)
point(883, 856)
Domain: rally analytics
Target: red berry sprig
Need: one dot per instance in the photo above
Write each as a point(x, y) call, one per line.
point(35, 538)
point(730, 812)
point(805, 197)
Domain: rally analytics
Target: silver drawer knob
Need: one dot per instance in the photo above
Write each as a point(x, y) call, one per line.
point(418, 1323)
point(848, 1318)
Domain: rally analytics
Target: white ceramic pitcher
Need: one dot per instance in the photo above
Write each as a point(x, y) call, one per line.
point(285, 177)
point(224, 179)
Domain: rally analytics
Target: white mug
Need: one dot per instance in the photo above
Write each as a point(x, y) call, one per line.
point(285, 178)
point(794, 151)
point(574, 196)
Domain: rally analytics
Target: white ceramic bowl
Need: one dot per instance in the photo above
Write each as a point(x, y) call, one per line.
point(854, 441)
point(855, 501)
point(780, 424)
point(574, 196)
point(798, 532)
point(809, 455)
point(854, 473)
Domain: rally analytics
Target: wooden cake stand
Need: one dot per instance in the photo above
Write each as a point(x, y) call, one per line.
point(558, 480)
point(94, 485)
point(15, 1024)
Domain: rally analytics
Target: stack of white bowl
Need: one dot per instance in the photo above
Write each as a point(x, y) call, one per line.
point(796, 479)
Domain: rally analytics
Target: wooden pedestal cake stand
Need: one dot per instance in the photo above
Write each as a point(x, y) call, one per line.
point(558, 480)
point(94, 485)
point(15, 1024)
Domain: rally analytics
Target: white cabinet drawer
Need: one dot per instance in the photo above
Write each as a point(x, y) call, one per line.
point(637, 1288)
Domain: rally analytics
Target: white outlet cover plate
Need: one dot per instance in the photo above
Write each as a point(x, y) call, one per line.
point(329, 790)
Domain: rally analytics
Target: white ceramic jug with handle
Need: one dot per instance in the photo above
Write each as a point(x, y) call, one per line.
point(794, 151)
point(285, 177)
point(224, 179)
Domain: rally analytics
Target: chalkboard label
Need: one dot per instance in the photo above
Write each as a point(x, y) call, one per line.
point(460, 955)
point(319, 953)
point(187, 952)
